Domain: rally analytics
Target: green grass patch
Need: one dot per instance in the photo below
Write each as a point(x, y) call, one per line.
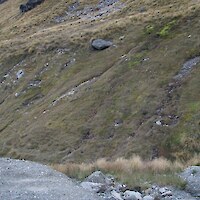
point(165, 30)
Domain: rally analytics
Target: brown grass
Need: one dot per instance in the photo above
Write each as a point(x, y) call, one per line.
point(133, 171)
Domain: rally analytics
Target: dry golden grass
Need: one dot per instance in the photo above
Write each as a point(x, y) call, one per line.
point(133, 171)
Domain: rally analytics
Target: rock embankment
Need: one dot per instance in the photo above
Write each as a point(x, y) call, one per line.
point(109, 189)
point(27, 180)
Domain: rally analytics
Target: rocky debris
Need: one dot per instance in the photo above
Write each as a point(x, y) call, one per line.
point(90, 12)
point(109, 189)
point(100, 44)
point(68, 64)
point(29, 5)
point(62, 50)
point(187, 68)
point(74, 90)
point(192, 176)
point(32, 99)
point(34, 83)
point(27, 180)
point(12, 76)
point(170, 119)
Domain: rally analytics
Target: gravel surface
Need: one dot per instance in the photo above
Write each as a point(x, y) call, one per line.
point(25, 180)
point(192, 176)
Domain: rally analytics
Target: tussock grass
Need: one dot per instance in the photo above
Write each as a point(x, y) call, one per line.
point(133, 171)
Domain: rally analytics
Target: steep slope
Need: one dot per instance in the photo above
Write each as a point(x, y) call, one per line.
point(62, 101)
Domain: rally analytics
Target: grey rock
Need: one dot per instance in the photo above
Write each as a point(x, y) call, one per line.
point(20, 74)
point(167, 193)
point(131, 195)
point(162, 190)
point(118, 122)
point(116, 195)
point(100, 44)
point(93, 187)
point(148, 197)
point(98, 177)
point(29, 5)
point(142, 9)
point(25, 180)
point(192, 176)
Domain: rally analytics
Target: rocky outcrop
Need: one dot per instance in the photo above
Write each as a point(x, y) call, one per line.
point(29, 5)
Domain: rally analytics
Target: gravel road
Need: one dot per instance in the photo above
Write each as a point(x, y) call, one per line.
point(25, 180)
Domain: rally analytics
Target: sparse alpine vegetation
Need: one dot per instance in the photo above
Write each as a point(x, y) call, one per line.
point(63, 101)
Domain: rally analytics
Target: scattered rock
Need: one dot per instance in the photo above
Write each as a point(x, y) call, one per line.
point(159, 123)
point(20, 74)
point(74, 90)
point(148, 197)
point(131, 195)
point(142, 9)
point(29, 5)
point(107, 188)
point(167, 193)
point(90, 12)
point(118, 122)
point(187, 68)
point(100, 44)
point(162, 190)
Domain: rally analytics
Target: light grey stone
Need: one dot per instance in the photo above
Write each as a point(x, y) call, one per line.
point(131, 195)
point(98, 177)
point(20, 74)
point(148, 198)
point(95, 187)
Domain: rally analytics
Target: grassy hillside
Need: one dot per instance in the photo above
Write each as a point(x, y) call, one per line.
point(77, 104)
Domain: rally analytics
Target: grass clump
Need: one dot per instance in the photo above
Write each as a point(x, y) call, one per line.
point(165, 30)
point(133, 172)
point(149, 29)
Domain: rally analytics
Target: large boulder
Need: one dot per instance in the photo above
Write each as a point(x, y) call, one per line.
point(192, 177)
point(30, 5)
point(100, 44)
